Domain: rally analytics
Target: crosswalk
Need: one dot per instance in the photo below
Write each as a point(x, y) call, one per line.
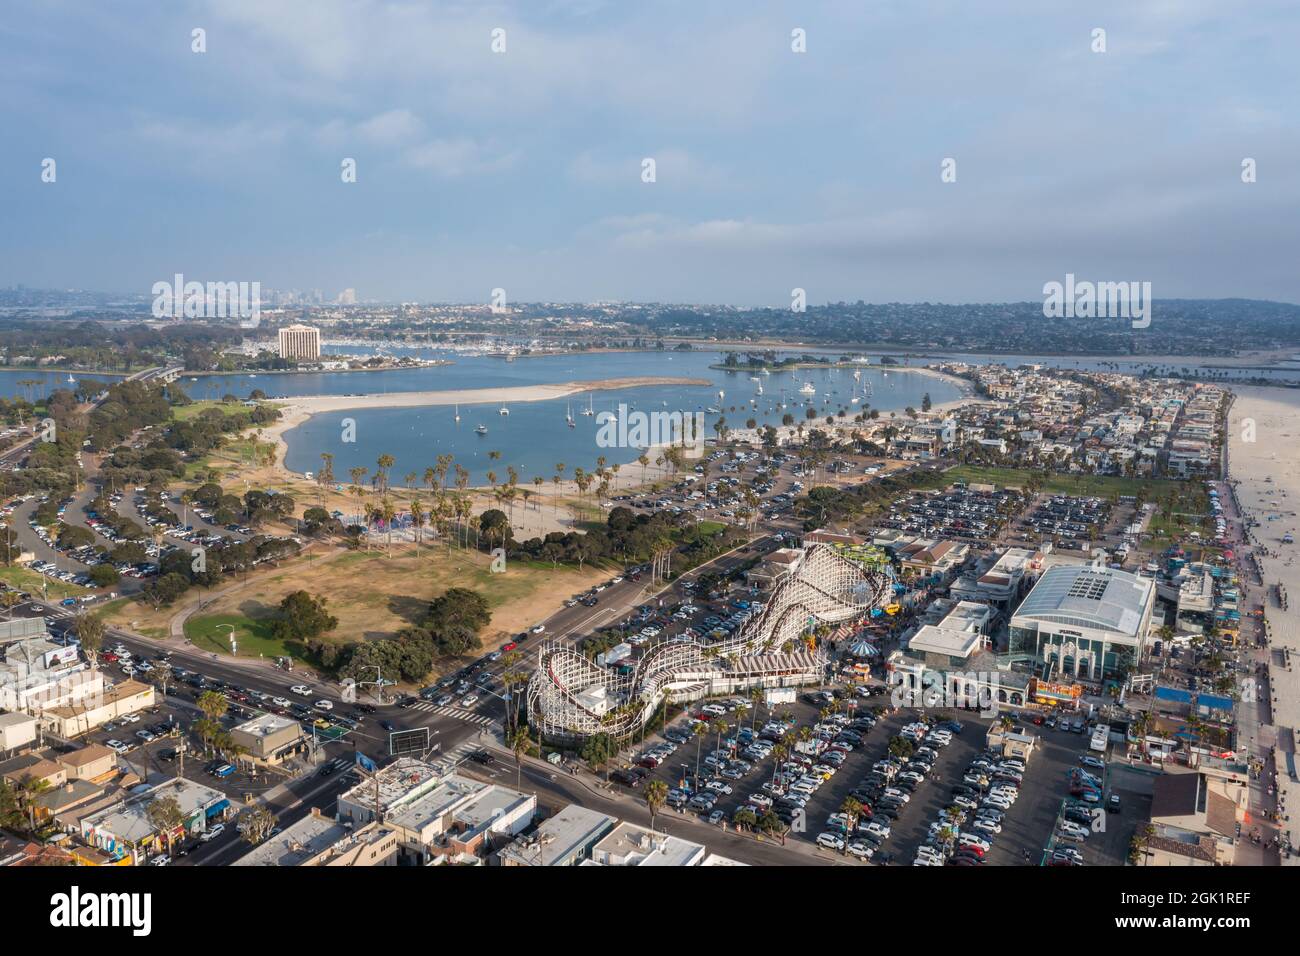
point(465, 715)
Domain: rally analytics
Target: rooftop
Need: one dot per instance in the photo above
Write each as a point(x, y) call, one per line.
point(305, 840)
point(1090, 596)
point(559, 838)
point(631, 845)
point(265, 725)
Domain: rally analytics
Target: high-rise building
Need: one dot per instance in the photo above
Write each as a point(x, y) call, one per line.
point(300, 342)
point(348, 297)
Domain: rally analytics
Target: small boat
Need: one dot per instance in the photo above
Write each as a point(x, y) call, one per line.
point(71, 380)
point(503, 410)
point(807, 388)
point(590, 409)
point(481, 430)
point(568, 416)
point(457, 418)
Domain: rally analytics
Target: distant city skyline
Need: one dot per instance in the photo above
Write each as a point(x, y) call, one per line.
point(523, 170)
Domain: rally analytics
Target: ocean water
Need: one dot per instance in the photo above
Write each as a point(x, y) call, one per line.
point(534, 436)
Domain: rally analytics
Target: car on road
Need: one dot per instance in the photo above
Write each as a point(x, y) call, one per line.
point(444, 700)
point(280, 702)
point(1113, 804)
point(1096, 763)
point(538, 629)
point(469, 700)
point(301, 690)
point(161, 860)
point(212, 834)
point(323, 705)
point(388, 725)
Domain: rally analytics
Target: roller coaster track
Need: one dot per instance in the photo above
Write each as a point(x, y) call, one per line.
point(571, 698)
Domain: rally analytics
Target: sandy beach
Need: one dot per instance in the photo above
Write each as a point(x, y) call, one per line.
point(1264, 467)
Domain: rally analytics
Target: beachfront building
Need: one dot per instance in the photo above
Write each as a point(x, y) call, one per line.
point(300, 342)
point(1085, 621)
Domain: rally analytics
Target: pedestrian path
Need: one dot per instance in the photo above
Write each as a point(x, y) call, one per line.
point(465, 715)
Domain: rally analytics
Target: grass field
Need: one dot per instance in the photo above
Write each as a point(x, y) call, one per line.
point(1091, 485)
point(374, 595)
point(183, 413)
point(28, 580)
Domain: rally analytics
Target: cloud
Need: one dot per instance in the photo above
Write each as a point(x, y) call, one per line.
point(454, 158)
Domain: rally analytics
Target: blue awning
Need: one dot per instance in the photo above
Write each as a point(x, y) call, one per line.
point(218, 807)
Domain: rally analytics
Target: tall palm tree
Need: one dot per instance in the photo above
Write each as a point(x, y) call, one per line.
point(384, 462)
point(656, 792)
point(701, 731)
point(417, 519)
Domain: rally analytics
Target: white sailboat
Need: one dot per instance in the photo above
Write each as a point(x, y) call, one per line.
point(807, 388)
point(503, 410)
point(568, 414)
point(481, 430)
point(457, 411)
point(590, 409)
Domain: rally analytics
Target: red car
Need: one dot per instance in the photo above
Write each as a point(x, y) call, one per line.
point(509, 647)
point(108, 657)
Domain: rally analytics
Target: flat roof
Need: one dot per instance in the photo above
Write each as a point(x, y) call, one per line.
point(632, 845)
point(450, 795)
point(1090, 596)
point(560, 837)
point(942, 640)
point(265, 725)
point(296, 844)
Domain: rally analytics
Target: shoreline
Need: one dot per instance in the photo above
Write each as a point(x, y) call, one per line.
point(296, 410)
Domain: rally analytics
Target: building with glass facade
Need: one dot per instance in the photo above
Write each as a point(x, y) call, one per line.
point(1088, 622)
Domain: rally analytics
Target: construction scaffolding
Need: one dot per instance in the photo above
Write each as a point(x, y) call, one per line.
point(570, 698)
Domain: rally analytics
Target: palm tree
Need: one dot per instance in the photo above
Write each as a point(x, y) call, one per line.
point(656, 792)
point(701, 730)
point(384, 462)
point(522, 745)
point(417, 519)
point(388, 513)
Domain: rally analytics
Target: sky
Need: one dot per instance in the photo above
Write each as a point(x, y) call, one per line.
point(774, 169)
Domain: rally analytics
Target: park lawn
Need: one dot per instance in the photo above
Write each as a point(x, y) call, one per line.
point(31, 581)
point(253, 638)
point(374, 595)
point(183, 413)
point(141, 618)
point(1102, 486)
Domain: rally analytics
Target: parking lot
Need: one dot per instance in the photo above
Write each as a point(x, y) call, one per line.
point(1018, 827)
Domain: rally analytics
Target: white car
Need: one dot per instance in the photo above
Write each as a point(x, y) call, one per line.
point(538, 629)
point(215, 832)
point(116, 746)
point(130, 718)
point(832, 841)
point(469, 700)
point(301, 690)
point(280, 702)
point(323, 705)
